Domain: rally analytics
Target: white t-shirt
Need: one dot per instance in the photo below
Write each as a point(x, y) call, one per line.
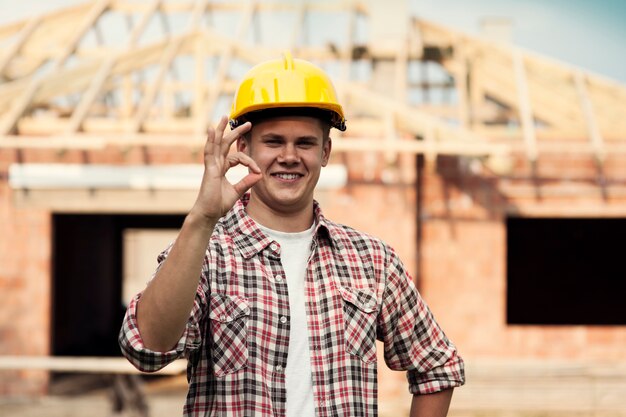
point(295, 249)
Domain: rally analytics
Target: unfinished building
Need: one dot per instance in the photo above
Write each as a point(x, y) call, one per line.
point(499, 175)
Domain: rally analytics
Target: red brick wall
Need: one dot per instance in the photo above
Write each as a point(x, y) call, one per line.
point(464, 255)
point(24, 290)
point(461, 265)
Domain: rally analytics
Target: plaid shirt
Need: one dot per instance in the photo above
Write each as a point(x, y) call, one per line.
point(357, 291)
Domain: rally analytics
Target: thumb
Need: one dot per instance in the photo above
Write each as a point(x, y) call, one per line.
point(247, 182)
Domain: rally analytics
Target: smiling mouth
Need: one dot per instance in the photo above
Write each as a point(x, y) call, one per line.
point(287, 177)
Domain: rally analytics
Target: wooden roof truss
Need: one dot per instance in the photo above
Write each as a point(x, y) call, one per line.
point(156, 72)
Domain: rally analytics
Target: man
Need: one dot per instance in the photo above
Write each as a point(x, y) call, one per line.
point(276, 307)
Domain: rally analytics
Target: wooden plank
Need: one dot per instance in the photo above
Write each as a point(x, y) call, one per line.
point(100, 78)
point(168, 56)
point(531, 208)
point(200, 54)
point(562, 135)
point(203, 117)
point(16, 45)
point(534, 387)
point(265, 6)
point(460, 82)
point(595, 136)
point(89, 96)
point(401, 71)
point(100, 365)
point(23, 102)
point(147, 101)
point(345, 68)
point(10, 29)
point(525, 108)
point(299, 26)
point(498, 81)
point(85, 25)
point(20, 142)
point(407, 118)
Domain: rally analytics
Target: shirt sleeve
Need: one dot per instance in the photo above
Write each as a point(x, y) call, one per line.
point(413, 341)
point(131, 342)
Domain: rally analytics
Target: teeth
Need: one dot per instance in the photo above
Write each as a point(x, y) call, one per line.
point(288, 176)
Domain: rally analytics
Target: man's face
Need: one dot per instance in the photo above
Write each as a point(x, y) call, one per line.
point(290, 151)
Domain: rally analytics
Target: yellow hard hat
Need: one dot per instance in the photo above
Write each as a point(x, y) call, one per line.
point(286, 82)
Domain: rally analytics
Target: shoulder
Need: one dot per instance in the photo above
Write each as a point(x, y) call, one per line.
point(355, 240)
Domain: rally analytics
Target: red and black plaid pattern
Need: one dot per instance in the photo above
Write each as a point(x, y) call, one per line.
point(237, 336)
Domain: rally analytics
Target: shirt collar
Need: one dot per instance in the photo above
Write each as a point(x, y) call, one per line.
point(250, 239)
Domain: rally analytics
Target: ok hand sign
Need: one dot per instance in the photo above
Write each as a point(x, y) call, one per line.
point(217, 195)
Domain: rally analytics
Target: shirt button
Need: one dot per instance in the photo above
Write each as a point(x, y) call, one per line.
point(279, 278)
point(274, 247)
point(278, 368)
point(283, 319)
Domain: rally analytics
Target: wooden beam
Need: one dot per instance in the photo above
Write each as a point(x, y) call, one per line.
point(147, 101)
point(460, 81)
point(10, 29)
point(77, 78)
point(345, 64)
point(595, 136)
point(105, 134)
point(498, 81)
point(299, 26)
point(105, 70)
point(165, 63)
point(90, 95)
point(22, 103)
point(265, 6)
point(224, 65)
point(411, 120)
point(200, 56)
point(22, 37)
point(85, 25)
point(525, 108)
point(86, 364)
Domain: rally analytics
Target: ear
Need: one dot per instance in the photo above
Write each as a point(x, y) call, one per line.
point(243, 145)
point(326, 147)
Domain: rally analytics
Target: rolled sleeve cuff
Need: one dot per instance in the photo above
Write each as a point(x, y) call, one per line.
point(147, 360)
point(450, 375)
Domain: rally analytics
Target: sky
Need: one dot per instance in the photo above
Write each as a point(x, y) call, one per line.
point(587, 33)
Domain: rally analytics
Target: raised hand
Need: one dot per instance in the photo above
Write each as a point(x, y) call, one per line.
point(217, 195)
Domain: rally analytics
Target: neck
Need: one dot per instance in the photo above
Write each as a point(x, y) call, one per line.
point(289, 221)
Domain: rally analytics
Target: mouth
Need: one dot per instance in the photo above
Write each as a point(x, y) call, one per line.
point(283, 176)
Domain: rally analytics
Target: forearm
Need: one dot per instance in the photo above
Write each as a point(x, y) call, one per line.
point(166, 303)
point(431, 405)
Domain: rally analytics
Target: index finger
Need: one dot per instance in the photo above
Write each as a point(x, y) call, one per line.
point(233, 135)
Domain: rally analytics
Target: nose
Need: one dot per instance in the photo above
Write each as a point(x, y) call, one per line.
point(289, 154)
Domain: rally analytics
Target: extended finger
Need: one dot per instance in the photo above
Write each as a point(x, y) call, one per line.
point(219, 130)
point(233, 135)
point(209, 146)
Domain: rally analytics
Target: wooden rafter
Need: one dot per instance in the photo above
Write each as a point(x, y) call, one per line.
point(595, 136)
point(501, 95)
point(224, 64)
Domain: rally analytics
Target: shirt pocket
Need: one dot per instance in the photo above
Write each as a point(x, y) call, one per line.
point(360, 310)
point(229, 322)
